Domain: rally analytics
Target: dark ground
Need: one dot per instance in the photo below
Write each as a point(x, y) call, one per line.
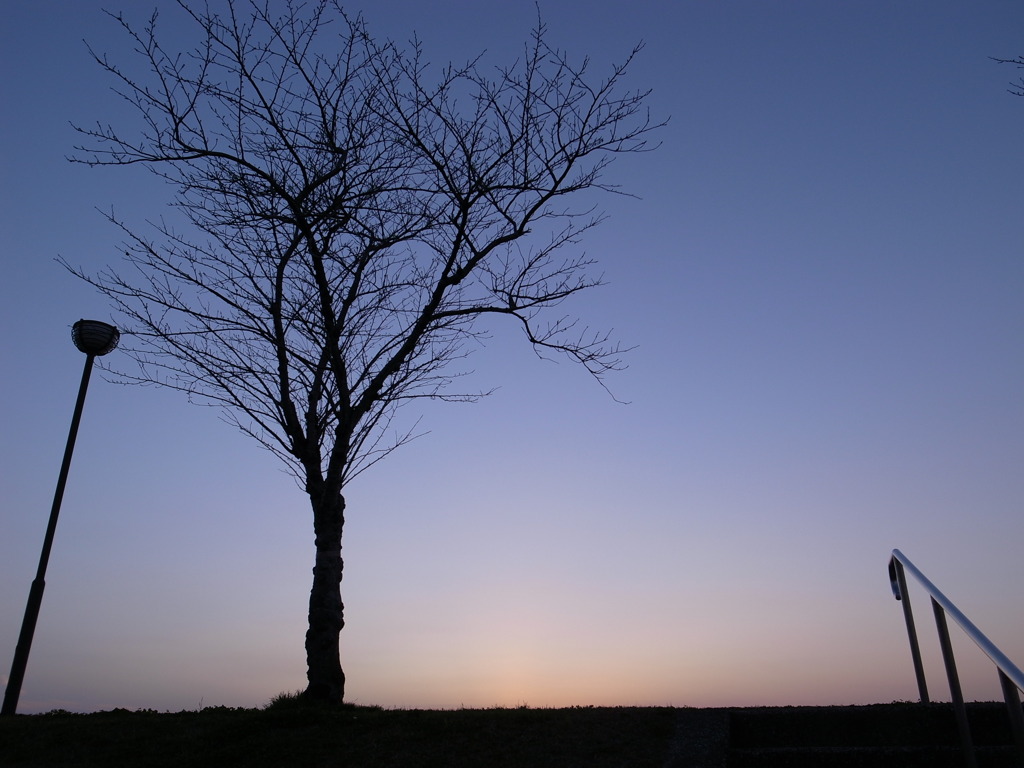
point(347, 736)
point(296, 734)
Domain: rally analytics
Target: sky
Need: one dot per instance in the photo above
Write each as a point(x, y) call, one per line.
point(822, 271)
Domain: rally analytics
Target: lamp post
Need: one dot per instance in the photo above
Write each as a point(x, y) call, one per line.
point(95, 339)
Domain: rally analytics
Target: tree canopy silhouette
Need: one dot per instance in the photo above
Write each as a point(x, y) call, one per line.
point(350, 216)
point(1017, 88)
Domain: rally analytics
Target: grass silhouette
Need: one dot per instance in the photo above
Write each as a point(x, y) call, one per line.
point(290, 731)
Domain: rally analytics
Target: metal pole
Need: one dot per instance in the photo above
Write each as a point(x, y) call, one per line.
point(959, 709)
point(35, 595)
point(899, 581)
point(1012, 699)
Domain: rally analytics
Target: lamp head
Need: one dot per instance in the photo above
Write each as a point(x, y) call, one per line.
point(94, 337)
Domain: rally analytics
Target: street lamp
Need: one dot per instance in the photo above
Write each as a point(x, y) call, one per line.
point(95, 339)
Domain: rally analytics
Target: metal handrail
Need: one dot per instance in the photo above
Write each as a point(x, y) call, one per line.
point(1011, 678)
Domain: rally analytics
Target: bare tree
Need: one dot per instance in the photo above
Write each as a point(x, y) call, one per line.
point(1017, 88)
point(349, 219)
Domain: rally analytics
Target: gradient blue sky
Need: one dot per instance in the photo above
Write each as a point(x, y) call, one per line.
point(824, 277)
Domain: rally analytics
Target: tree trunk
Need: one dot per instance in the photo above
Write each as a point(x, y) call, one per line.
point(326, 611)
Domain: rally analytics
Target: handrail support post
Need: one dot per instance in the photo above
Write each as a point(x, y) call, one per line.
point(954, 685)
point(1013, 706)
point(899, 578)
